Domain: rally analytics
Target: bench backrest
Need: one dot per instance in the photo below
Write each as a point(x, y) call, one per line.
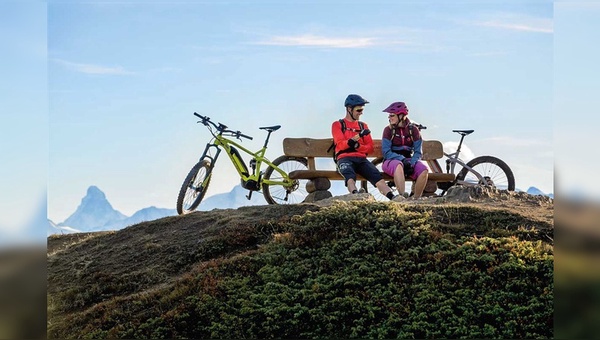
point(309, 147)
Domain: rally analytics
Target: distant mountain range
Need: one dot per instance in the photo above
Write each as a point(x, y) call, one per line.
point(95, 213)
point(536, 191)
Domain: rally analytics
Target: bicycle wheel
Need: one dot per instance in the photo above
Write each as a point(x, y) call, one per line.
point(279, 194)
point(371, 189)
point(496, 173)
point(194, 187)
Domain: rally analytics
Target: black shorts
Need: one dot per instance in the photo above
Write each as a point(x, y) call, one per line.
point(350, 166)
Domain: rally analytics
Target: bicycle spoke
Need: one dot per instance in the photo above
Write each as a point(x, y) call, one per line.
point(193, 188)
point(289, 194)
point(495, 173)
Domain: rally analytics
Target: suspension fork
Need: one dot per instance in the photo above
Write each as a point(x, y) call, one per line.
point(205, 154)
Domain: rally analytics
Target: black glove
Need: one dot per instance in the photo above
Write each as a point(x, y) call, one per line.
point(353, 144)
point(408, 168)
point(364, 132)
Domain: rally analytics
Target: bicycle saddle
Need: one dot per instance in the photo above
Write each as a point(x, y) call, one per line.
point(463, 132)
point(271, 128)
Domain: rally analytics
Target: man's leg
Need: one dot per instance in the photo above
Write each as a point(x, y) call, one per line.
point(345, 167)
point(384, 188)
point(351, 184)
point(372, 174)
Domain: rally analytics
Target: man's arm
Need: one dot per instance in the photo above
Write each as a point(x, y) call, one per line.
point(336, 132)
point(366, 144)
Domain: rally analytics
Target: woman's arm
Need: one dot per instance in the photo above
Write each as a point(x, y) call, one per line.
point(417, 152)
point(386, 149)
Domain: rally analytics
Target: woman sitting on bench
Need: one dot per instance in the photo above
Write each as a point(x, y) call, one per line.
point(401, 148)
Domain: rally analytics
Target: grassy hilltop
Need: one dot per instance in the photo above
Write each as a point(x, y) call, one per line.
point(475, 266)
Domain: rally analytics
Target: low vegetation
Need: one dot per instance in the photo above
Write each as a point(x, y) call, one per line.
point(352, 270)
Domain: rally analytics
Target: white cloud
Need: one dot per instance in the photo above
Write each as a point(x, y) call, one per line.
point(94, 69)
point(516, 22)
point(466, 154)
point(309, 40)
point(518, 27)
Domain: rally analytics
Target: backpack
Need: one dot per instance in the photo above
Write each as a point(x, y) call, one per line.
point(411, 126)
point(343, 123)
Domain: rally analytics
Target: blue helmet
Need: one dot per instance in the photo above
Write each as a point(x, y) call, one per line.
point(354, 100)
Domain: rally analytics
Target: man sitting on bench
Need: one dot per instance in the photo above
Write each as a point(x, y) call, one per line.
point(353, 143)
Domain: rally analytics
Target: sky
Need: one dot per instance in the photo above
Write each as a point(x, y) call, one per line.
point(103, 93)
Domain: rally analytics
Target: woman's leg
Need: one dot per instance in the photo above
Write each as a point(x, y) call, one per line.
point(399, 179)
point(420, 183)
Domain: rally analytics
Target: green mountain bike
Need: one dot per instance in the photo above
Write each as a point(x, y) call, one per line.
point(275, 183)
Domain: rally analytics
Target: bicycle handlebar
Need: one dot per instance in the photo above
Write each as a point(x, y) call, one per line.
point(239, 134)
point(221, 127)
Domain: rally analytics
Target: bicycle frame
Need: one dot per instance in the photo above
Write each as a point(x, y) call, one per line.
point(451, 160)
point(240, 165)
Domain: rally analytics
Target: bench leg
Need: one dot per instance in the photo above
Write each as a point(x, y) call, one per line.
point(429, 190)
point(318, 189)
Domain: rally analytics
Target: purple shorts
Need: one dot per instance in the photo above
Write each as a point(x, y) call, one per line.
point(389, 166)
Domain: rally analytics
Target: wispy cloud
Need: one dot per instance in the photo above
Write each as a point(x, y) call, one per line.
point(518, 27)
point(519, 23)
point(94, 69)
point(309, 40)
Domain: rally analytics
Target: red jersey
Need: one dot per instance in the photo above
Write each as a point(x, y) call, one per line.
point(341, 139)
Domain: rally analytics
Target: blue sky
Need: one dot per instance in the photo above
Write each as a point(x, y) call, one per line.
point(115, 85)
point(23, 117)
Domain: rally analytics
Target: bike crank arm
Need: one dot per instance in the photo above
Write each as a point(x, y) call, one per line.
point(287, 194)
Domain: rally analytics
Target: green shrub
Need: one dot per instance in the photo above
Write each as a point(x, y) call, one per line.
point(364, 270)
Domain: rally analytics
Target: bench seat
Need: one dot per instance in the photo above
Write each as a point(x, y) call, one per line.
point(314, 148)
point(334, 175)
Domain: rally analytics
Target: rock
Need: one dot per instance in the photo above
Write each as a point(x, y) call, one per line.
point(430, 188)
point(318, 184)
point(322, 183)
point(317, 196)
point(468, 193)
point(399, 198)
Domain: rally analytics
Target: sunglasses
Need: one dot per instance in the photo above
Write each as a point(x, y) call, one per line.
point(392, 115)
point(359, 110)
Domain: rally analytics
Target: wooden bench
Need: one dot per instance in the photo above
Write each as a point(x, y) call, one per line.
point(314, 148)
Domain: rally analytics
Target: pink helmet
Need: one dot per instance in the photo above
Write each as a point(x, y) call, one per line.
point(398, 108)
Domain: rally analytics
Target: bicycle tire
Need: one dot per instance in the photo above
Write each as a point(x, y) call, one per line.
point(278, 194)
point(194, 187)
point(497, 172)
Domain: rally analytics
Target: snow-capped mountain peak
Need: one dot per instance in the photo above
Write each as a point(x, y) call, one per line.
point(536, 191)
point(94, 212)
